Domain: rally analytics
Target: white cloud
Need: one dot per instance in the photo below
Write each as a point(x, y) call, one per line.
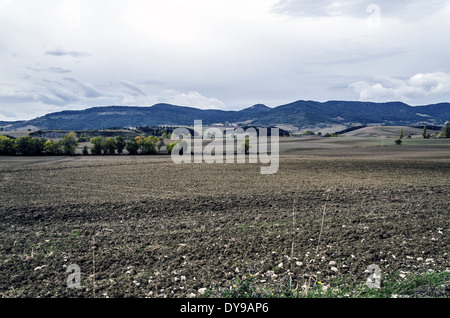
point(149, 97)
point(62, 52)
point(193, 99)
point(418, 87)
point(313, 8)
point(89, 91)
point(135, 89)
point(401, 9)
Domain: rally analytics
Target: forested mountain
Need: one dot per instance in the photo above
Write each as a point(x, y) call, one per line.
point(300, 114)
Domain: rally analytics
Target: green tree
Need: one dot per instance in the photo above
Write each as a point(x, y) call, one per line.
point(52, 148)
point(69, 143)
point(246, 145)
point(38, 146)
point(160, 144)
point(132, 147)
point(97, 145)
point(398, 142)
point(140, 140)
point(170, 147)
point(424, 132)
point(83, 138)
point(147, 145)
point(120, 144)
point(85, 150)
point(401, 134)
point(6, 146)
point(109, 145)
point(23, 145)
point(29, 146)
point(446, 130)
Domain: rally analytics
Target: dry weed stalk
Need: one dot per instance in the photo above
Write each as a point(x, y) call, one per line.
point(293, 240)
point(293, 229)
point(318, 241)
point(93, 266)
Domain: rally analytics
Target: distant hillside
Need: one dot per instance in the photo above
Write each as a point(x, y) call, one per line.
point(311, 114)
point(299, 114)
point(390, 131)
point(441, 110)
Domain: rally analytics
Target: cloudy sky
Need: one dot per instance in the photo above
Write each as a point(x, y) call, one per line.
point(225, 54)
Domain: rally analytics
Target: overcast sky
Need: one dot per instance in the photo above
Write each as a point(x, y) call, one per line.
point(225, 54)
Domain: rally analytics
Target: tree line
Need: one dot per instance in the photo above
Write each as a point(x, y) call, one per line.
point(139, 145)
point(34, 146)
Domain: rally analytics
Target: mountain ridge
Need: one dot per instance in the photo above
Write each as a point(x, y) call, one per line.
point(301, 114)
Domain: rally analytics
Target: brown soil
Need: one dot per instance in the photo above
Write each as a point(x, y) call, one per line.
point(145, 227)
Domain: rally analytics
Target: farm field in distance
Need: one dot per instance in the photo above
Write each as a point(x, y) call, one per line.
point(142, 226)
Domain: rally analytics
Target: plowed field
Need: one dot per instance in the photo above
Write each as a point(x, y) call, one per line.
point(145, 227)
